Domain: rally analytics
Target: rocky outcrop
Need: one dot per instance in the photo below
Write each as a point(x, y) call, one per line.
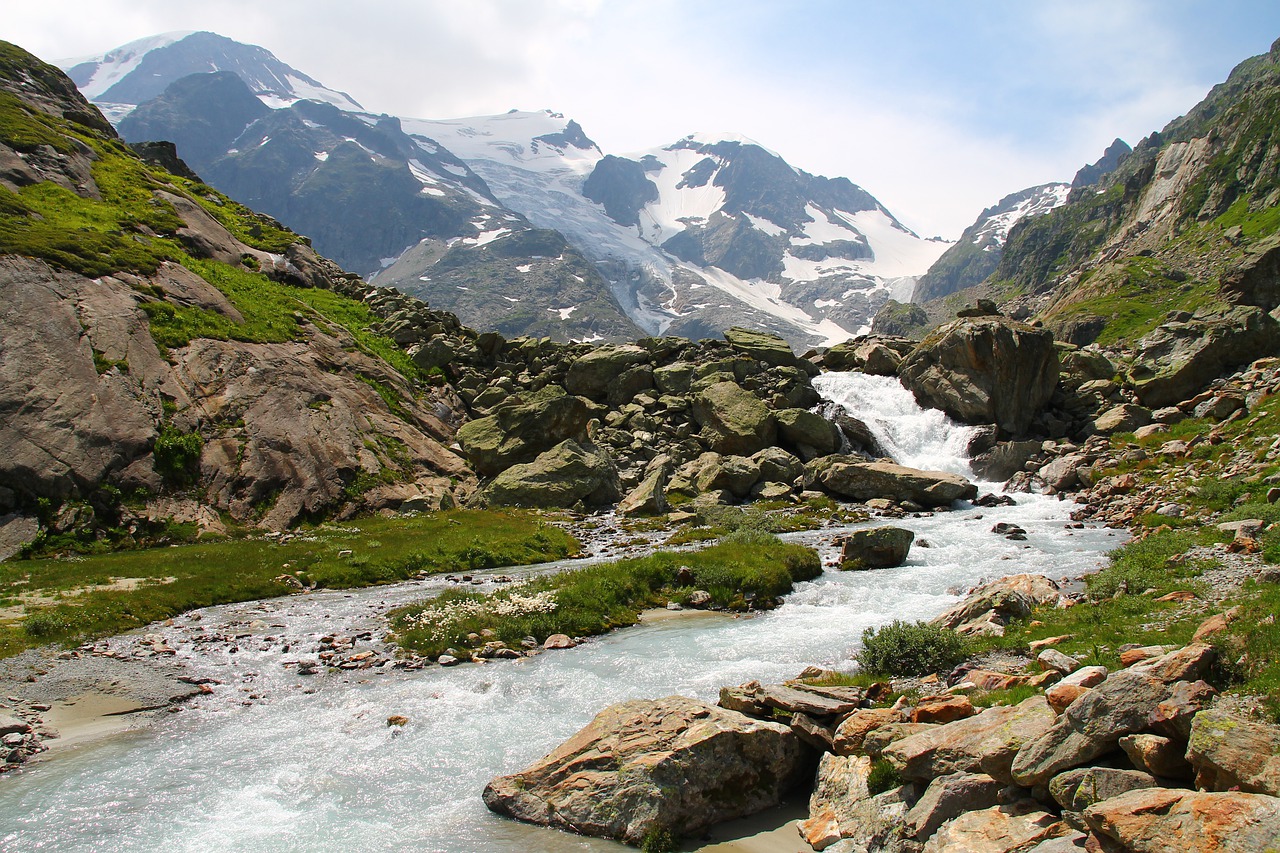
point(989, 608)
point(733, 419)
point(522, 428)
point(1182, 356)
point(983, 370)
point(852, 477)
point(673, 765)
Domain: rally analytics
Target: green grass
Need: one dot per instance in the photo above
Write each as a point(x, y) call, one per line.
point(384, 550)
point(595, 599)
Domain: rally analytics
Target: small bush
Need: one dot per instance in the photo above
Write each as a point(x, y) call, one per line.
point(904, 648)
point(883, 777)
point(177, 455)
point(658, 840)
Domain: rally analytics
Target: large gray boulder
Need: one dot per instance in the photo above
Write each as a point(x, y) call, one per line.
point(808, 433)
point(1181, 357)
point(560, 477)
point(592, 374)
point(767, 347)
point(672, 764)
point(523, 428)
point(983, 370)
point(876, 548)
point(853, 477)
point(734, 420)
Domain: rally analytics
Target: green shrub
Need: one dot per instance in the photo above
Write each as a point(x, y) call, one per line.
point(905, 648)
point(177, 455)
point(883, 777)
point(658, 840)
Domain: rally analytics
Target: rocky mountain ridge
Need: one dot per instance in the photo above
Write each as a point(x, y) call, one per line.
point(815, 272)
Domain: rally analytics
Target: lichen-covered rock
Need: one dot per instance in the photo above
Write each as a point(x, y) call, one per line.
point(948, 797)
point(985, 743)
point(983, 370)
point(649, 496)
point(733, 420)
point(1076, 790)
point(674, 764)
point(875, 548)
point(767, 347)
point(1093, 724)
point(993, 605)
point(843, 816)
point(591, 374)
point(1230, 752)
point(523, 428)
point(807, 433)
point(561, 477)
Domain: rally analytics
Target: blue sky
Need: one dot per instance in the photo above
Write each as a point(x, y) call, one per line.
point(937, 107)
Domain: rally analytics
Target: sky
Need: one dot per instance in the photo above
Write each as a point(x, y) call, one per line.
point(937, 107)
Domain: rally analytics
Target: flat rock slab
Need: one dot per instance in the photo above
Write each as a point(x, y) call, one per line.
point(1165, 820)
point(803, 702)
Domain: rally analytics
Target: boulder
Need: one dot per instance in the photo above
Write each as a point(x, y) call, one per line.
point(807, 433)
point(560, 477)
point(842, 811)
point(851, 477)
point(1181, 357)
point(1093, 724)
point(987, 609)
point(1076, 790)
point(880, 739)
point(793, 701)
point(767, 347)
point(1230, 752)
point(592, 374)
point(1164, 820)
point(1052, 659)
point(875, 548)
point(671, 764)
point(1157, 755)
point(649, 496)
point(522, 429)
point(1004, 460)
point(733, 420)
point(778, 466)
point(942, 709)
point(733, 474)
point(853, 729)
point(1008, 828)
point(950, 796)
point(1123, 418)
point(983, 370)
point(985, 743)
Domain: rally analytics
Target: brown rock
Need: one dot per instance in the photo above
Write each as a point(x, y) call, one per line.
point(558, 641)
point(812, 732)
point(854, 728)
point(948, 797)
point(841, 783)
point(802, 701)
point(1000, 829)
point(1157, 755)
point(1061, 695)
point(984, 743)
point(942, 709)
point(1076, 790)
point(1163, 820)
point(878, 740)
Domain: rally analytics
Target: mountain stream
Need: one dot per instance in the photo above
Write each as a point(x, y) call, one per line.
point(277, 761)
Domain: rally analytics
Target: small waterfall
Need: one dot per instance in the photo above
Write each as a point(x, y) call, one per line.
point(913, 436)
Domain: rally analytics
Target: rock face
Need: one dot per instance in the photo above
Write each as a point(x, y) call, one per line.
point(673, 764)
point(1181, 357)
point(851, 477)
point(983, 370)
point(877, 548)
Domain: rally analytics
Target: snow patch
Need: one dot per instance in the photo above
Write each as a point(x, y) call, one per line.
point(768, 226)
point(121, 62)
point(320, 155)
point(564, 313)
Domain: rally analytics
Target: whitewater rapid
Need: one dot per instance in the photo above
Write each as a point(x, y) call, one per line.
point(310, 764)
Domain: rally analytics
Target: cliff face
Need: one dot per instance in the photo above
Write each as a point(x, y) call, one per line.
point(163, 349)
point(1192, 207)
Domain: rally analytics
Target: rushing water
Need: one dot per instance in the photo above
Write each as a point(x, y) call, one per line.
point(310, 764)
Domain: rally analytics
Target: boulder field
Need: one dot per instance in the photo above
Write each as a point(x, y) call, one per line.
point(1141, 759)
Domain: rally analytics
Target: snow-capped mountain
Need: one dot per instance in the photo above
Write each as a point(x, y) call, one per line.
point(134, 73)
point(702, 234)
point(977, 254)
point(691, 238)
